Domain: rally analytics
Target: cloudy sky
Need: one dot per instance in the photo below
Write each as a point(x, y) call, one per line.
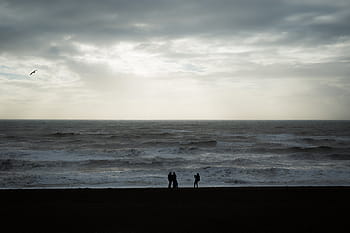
point(175, 59)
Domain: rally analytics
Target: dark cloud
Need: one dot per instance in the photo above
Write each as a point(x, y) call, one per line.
point(28, 25)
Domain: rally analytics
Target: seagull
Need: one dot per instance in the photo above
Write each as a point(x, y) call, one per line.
point(32, 72)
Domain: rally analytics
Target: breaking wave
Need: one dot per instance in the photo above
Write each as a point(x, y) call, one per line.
point(141, 152)
point(207, 143)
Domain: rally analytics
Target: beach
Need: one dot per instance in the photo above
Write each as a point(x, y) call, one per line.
point(234, 209)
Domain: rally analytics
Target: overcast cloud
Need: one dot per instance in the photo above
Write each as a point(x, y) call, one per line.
point(175, 59)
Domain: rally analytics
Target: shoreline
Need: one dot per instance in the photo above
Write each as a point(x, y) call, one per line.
point(206, 209)
point(181, 187)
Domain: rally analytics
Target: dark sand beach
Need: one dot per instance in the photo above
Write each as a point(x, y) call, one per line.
point(241, 209)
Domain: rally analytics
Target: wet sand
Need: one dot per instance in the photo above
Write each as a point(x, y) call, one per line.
point(241, 209)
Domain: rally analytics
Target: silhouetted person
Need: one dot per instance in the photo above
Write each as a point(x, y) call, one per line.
point(170, 179)
point(197, 178)
point(175, 184)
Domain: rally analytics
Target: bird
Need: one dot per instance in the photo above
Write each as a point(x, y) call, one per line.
point(32, 72)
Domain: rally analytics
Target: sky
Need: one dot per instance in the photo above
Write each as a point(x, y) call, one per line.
point(175, 59)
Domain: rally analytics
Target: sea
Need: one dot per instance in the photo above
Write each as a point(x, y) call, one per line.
point(128, 154)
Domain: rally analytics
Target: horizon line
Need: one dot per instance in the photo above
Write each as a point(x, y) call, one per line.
point(82, 119)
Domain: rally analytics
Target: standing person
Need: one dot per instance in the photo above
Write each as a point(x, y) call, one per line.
point(170, 179)
point(175, 184)
point(197, 178)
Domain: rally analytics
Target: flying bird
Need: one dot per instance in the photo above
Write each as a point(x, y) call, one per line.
point(32, 72)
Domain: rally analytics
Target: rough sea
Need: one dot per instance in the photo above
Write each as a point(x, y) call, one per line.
point(72, 154)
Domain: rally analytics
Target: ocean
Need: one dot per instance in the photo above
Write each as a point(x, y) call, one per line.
point(89, 154)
